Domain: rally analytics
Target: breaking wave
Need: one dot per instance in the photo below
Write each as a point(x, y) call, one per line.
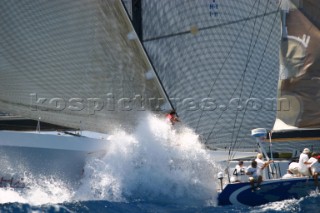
point(158, 162)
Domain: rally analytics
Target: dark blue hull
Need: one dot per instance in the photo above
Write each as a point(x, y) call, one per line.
point(270, 191)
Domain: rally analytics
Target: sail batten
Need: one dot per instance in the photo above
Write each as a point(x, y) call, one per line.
point(75, 64)
point(211, 27)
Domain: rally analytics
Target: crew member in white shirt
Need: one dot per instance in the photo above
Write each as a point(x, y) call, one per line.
point(261, 164)
point(315, 170)
point(312, 159)
point(239, 173)
point(253, 176)
point(303, 163)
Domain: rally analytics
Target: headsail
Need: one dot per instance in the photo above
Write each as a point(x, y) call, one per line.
point(298, 115)
point(74, 63)
point(299, 81)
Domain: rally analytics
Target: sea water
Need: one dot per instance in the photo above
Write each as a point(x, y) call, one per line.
point(158, 168)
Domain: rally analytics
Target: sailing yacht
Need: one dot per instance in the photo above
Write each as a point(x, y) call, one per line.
point(76, 64)
point(297, 122)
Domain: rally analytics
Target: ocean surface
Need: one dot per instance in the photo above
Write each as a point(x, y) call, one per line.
point(158, 168)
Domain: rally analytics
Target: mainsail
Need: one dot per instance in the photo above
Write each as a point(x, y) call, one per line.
point(75, 63)
point(218, 61)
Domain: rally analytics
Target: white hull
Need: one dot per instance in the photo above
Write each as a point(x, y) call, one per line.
point(47, 154)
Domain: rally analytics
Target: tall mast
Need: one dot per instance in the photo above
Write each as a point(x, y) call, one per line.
point(137, 17)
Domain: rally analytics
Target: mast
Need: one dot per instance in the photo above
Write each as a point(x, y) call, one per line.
point(137, 22)
point(137, 18)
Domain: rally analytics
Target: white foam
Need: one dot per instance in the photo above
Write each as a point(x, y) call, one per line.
point(157, 162)
point(40, 191)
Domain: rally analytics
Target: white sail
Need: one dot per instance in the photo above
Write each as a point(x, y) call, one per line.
point(218, 61)
point(74, 63)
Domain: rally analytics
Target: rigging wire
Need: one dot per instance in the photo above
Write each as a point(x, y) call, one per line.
point(245, 68)
point(256, 76)
point(242, 79)
point(223, 63)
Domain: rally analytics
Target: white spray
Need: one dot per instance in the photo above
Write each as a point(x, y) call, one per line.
point(156, 163)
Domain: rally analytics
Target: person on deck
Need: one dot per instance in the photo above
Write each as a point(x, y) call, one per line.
point(261, 164)
point(312, 160)
point(303, 163)
point(288, 175)
point(172, 117)
point(239, 172)
point(294, 168)
point(254, 176)
point(315, 170)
